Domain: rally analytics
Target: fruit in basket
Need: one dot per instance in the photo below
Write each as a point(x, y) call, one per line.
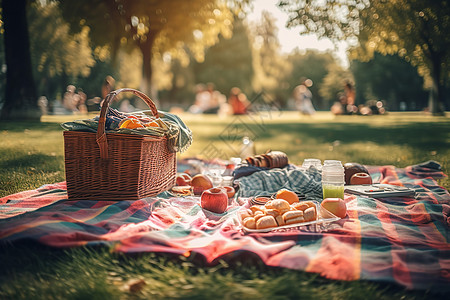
point(353, 168)
point(183, 179)
point(215, 200)
point(230, 191)
point(336, 206)
point(287, 195)
point(152, 123)
point(131, 123)
point(360, 178)
point(201, 183)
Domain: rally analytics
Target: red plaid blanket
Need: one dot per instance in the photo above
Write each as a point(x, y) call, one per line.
point(401, 240)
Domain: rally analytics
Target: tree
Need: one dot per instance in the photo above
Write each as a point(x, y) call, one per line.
point(58, 58)
point(417, 30)
point(153, 27)
point(313, 65)
point(390, 78)
point(269, 65)
point(332, 85)
point(229, 62)
point(20, 94)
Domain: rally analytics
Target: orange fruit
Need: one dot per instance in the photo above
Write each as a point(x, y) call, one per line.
point(152, 124)
point(131, 124)
point(287, 195)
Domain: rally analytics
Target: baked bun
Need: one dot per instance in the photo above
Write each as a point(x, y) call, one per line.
point(300, 206)
point(246, 213)
point(255, 208)
point(266, 222)
point(280, 220)
point(249, 222)
point(279, 204)
point(272, 212)
point(310, 214)
point(295, 220)
point(292, 215)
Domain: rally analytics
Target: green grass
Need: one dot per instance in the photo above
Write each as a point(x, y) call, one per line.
point(31, 154)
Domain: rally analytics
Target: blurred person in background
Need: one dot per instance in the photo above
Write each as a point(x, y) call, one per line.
point(349, 106)
point(238, 101)
point(70, 99)
point(303, 97)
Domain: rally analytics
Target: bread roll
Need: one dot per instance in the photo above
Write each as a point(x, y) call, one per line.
point(279, 204)
point(256, 208)
point(292, 215)
point(266, 222)
point(280, 220)
point(310, 214)
point(300, 206)
point(272, 212)
point(249, 222)
point(295, 220)
point(246, 213)
point(258, 215)
point(309, 203)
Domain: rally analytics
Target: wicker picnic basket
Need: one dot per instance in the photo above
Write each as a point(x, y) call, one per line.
point(113, 166)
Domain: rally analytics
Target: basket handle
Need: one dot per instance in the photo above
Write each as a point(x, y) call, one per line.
point(101, 135)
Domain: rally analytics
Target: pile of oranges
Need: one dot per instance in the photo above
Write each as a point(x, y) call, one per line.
point(133, 122)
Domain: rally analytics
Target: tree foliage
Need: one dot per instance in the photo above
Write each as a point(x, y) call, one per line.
point(332, 85)
point(312, 65)
point(389, 78)
point(154, 27)
point(55, 53)
point(269, 66)
point(228, 63)
point(415, 29)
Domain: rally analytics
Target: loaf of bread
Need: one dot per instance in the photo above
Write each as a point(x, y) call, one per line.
point(271, 159)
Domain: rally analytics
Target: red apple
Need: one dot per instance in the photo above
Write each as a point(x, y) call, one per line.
point(361, 178)
point(215, 200)
point(336, 206)
point(183, 179)
point(201, 183)
point(353, 168)
point(229, 190)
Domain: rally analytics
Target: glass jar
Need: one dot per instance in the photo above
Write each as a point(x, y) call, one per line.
point(307, 162)
point(333, 179)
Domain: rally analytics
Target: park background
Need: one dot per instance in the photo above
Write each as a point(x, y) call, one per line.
point(396, 52)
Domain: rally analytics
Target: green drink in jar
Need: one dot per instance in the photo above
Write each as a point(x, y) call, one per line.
point(333, 179)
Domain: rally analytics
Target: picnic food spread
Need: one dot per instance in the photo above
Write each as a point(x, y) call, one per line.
point(403, 240)
point(278, 212)
point(284, 214)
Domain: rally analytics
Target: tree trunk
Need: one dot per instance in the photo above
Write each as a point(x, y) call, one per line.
point(436, 99)
point(146, 84)
point(20, 95)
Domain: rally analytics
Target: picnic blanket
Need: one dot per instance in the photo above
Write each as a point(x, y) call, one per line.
point(397, 240)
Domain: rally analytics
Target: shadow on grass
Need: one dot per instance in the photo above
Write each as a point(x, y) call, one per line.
point(417, 135)
point(18, 126)
point(24, 160)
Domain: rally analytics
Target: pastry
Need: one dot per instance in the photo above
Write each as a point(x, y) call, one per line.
point(266, 222)
point(293, 214)
point(279, 204)
point(295, 220)
point(310, 214)
point(300, 206)
point(249, 222)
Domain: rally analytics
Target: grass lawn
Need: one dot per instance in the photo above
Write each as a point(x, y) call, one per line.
point(31, 154)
